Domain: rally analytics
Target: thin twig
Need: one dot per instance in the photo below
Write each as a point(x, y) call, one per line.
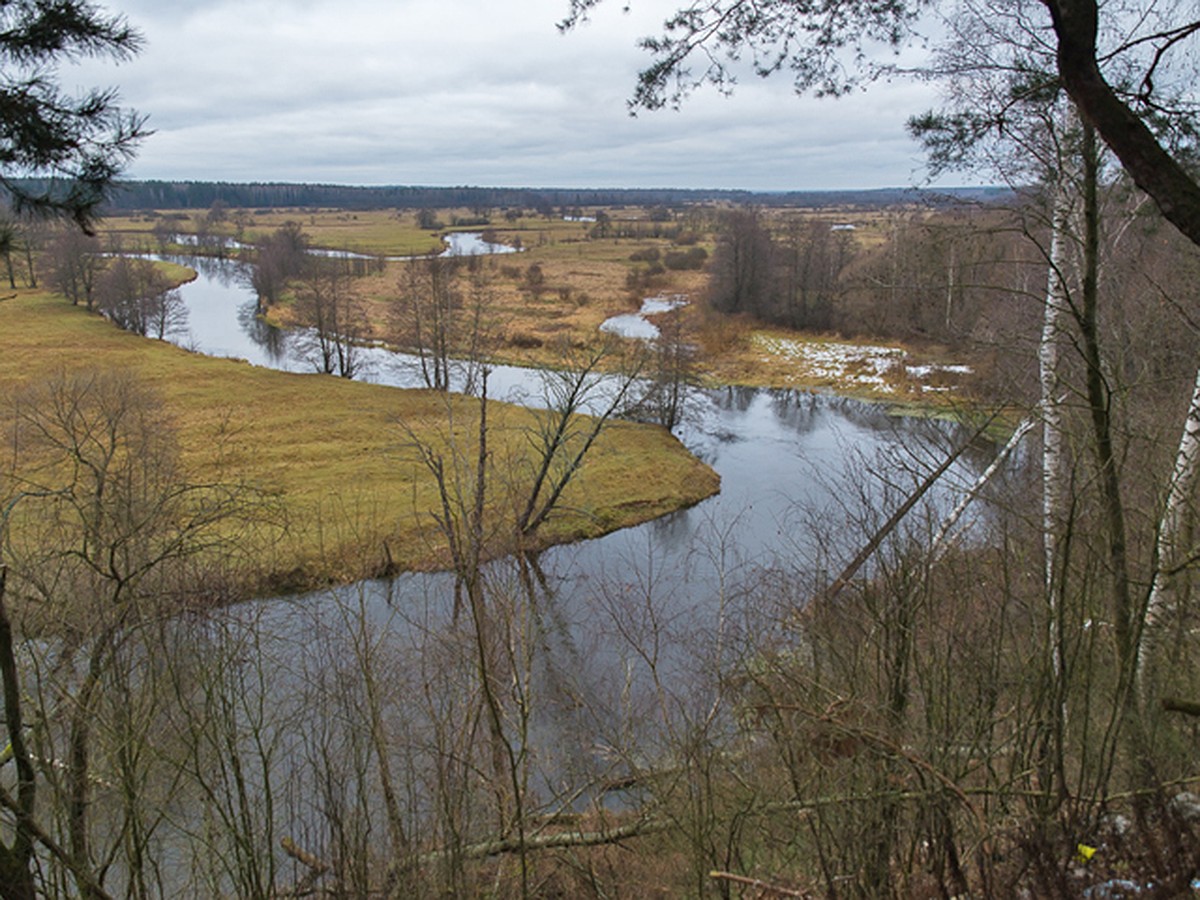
point(56, 850)
point(759, 885)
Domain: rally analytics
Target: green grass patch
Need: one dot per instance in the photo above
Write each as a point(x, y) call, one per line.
point(177, 273)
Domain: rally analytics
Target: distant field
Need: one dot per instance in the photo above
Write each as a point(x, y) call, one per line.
point(332, 452)
point(586, 278)
point(377, 232)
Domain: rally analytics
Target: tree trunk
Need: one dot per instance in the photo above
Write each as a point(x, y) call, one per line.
point(1151, 167)
point(16, 876)
point(1172, 528)
point(1053, 489)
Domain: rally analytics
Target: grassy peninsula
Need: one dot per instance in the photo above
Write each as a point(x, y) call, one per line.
point(335, 460)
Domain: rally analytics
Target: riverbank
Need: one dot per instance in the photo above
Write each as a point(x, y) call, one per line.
point(337, 461)
point(878, 371)
point(568, 281)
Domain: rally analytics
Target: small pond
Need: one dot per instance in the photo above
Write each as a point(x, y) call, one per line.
point(637, 325)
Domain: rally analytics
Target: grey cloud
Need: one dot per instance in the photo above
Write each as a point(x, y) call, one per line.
point(467, 91)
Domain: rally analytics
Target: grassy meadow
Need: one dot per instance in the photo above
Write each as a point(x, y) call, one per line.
point(585, 278)
point(348, 494)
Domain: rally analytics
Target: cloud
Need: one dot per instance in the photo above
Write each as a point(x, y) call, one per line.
point(471, 92)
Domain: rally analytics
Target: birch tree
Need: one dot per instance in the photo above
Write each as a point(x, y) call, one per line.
point(1172, 552)
point(1050, 405)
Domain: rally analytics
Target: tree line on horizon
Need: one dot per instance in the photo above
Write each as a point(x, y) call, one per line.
point(156, 194)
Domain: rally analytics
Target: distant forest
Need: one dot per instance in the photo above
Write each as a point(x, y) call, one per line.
point(138, 195)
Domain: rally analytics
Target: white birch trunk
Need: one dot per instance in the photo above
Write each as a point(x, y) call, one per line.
point(1171, 533)
point(950, 288)
point(1049, 353)
point(939, 543)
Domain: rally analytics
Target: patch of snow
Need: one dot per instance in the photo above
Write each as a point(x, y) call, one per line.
point(864, 365)
point(654, 305)
point(926, 371)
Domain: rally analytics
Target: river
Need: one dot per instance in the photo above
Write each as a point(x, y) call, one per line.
point(781, 454)
point(616, 638)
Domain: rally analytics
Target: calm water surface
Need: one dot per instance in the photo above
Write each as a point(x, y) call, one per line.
point(665, 600)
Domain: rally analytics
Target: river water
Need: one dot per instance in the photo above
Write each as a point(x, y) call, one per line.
point(781, 454)
point(616, 624)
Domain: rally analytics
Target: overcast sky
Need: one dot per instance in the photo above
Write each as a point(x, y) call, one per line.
point(478, 92)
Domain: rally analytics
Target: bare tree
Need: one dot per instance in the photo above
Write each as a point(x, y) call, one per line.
point(668, 372)
point(327, 299)
point(139, 297)
point(741, 264)
point(278, 258)
point(9, 245)
point(462, 481)
point(809, 260)
point(106, 545)
point(16, 872)
point(444, 316)
point(579, 400)
point(1171, 547)
point(429, 314)
point(74, 263)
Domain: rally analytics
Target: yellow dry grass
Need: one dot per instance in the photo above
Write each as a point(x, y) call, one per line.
point(585, 281)
point(334, 453)
point(377, 232)
point(583, 284)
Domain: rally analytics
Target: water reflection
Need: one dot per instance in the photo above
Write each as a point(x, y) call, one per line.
point(775, 450)
point(607, 650)
point(274, 341)
point(457, 243)
point(637, 325)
